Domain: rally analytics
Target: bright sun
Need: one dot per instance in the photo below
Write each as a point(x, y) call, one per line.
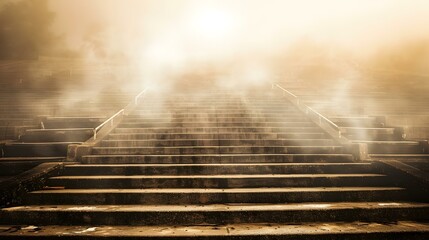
point(212, 23)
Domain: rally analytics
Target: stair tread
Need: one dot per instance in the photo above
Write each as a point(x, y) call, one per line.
point(399, 155)
point(240, 146)
point(217, 155)
point(220, 155)
point(386, 142)
point(369, 128)
point(256, 230)
point(223, 133)
point(211, 139)
point(40, 143)
point(218, 164)
point(31, 159)
point(59, 129)
point(221, 207)
point(220, 176)
point(208, 127)
point(219, 190)
point(145, 121)
point(210, 117)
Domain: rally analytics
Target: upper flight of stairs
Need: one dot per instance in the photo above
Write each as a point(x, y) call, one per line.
point(221, 165)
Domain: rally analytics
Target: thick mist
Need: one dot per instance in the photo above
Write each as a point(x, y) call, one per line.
point(163, 39)
point(335, 44)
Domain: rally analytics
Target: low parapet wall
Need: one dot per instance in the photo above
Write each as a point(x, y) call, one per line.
point(415, 127)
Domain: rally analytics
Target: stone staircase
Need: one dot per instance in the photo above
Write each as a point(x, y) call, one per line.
point(379, 138)
point(393, 125)
point(221, 165)
point(38, 123)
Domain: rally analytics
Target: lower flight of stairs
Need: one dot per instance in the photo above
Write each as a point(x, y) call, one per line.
point(221, 165)
point(379, 138)
point(53, 139)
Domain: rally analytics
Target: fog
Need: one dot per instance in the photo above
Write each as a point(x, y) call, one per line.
point(163, 38)
point(238, 26)
point(239, 42)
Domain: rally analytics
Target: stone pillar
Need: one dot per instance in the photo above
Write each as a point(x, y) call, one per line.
point(76, 151)
point(359, 151)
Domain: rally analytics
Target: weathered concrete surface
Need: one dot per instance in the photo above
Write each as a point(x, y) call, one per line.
point(184, 169)
point(76, 151)
point(220, 181)
point(15, 188)
point(217, 150)
point(410, 170)
point(36, 149)
point(358, 150)
point(415, 127)
point(215, 158)
point(189, 169)
point(320, 231)
point(184, 215)
point(57, 135)
point(217, 195)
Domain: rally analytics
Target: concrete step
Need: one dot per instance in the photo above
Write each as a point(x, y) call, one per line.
point(213, 119)
point(268, 231)
point(224, 107)
point(17, 113)
point(15, 168)
point(216, 195)
point(215, 124)
point(371, 134)
point(209, 104)
point(12, 132)
point(206, 105)
point(216, 158)
point(401, 157)
point(43, 149)
point(214, 101)
point(219, 181)
point(236, 110)
point(373, 137)
point(367, 122)
point(72, 122)
point(215, 107)
point(185, 99)
point(201, 115)
point(294, 113)
point(220, 130)
point(32, 159)
point(181, 169)
point(10, 166)
point(218, 150)
point(386, 147)
point(218, 142)
point(190, 136)
point(16, 121)
point(179, 215)
point(368, 131)
point(57, 135)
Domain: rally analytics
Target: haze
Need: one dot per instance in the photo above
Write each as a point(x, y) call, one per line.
point(179, 36)
point(131, 25)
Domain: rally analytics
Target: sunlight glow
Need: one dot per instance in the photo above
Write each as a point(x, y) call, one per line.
point(212, 24)
point(164, 54)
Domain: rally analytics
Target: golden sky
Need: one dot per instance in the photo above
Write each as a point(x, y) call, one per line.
point(173, 33)
point(254, 22)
